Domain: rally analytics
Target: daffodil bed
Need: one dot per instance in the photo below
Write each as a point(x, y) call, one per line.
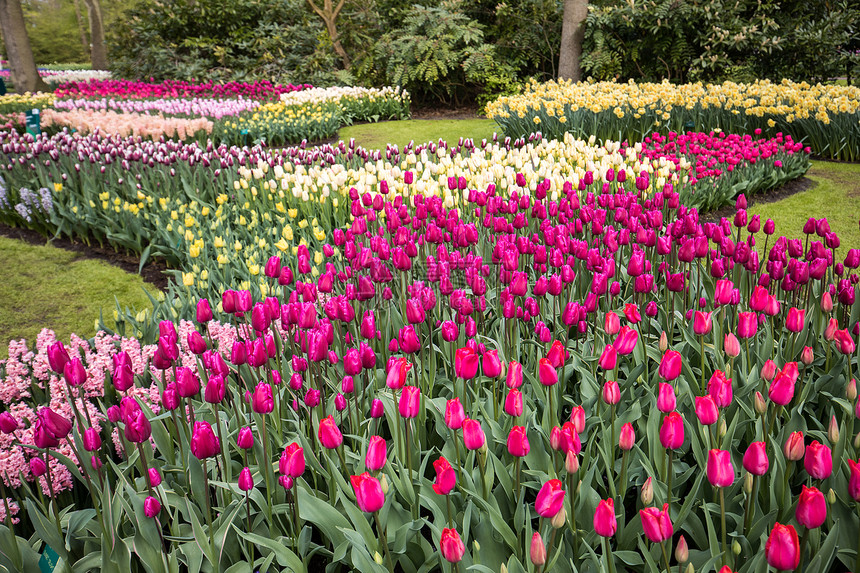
point(824, 117)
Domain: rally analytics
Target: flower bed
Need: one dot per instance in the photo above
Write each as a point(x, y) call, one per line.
point(211, 108)
point(823, 117)
point(218, 227)
point(170, 89)
point(579, 378)
point(143, 125)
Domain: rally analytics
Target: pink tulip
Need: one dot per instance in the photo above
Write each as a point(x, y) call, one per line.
point(605, 523)
point(329, 434)
point(706, 410)
point(473, 434)
point(755, 459)
point(377, 454)
point(466, 363)
point(656, 524)
point(550, 499)
point(666, 401)
point(702, 323)
point(368, 492)
point(292, 461)
point(518, 442)
point(446, 477)
point(410, 402)
point(455, 415)
point(721, 471)
point(627, 437)
point(204, 442)
point(818, 460)
point(451, 546)
point(611, 392)
point(811, 508)
point(546, 373)
point(672, 431)
point(782, 549)
point(670, 365)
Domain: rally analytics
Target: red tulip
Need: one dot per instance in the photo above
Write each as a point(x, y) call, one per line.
point(605, 523)
point(626, 340)
point(794, 447)
point(550, 499)
point(721, 471)
point(631, 311)
point(57, 357)
point(204, 442)
point(262, 400)
point(611, 323)
point(627, 437)
point(215, 389)
point(747, 324)
point(410, 402)
point(465, 363)
point(795, 319)
point(782, 549)
point(672, 431)
point(720, 389)
point(656, 524)
point(844, 341)
point(74, 372)
point(818, 461)
point(702, 323)
point(577, 418)
point(446, 477)
point(514, 403)
point(755, 459)
point(92, 440)
point(455, 415)
point(397, 373)
point(515, 374)
point(670, 365)
point(611, 392)
point(151, 506)
point(451, 546)
point(292, 462)
point(781, 390)
point(491, 366)
point(368, 492)
point(329, 434)
point(137, 427)
point(666, 401)
point(609, 358)
point(8, 423)
point(154, 477)
point(245, 439)
point(246, 481)
point(123, 376)
point(811, 508)
point(473, 434)
point(546, 373)
point(706, 410)
point(377, 454)
point(556, 354)
point(854, 480)
point(518, 442)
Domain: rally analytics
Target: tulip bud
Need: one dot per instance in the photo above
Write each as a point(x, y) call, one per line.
point(154, 477)
point(151, 507)
point(682, 552)
point(383, 482)
point(736, 547)
point(731, 345)
point(503, 568)
point(537, 551)
point(807, 356)
point(851, 390)
point(721, 431)
point(664, 341)
point(831, 496)
point(377, 557)
point(760, 404)
point(833, 430)
point(647, 493)
point(857, 441)
point(749, 481)
point(794, 447)
point(571, 462)
point(559, 519)
point(690, 568)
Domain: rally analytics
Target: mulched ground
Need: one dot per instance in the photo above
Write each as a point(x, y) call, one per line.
point(778, 194)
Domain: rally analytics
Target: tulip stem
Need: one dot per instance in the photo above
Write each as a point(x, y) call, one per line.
point(702, 341)
point(665, 556)
point(803, 541)
point(208, 503)
point(608, 555)
point(53, 497)
point(723, 523)
point(669, 473)
point(383, 541)
point(749, 509)
point(622, 484)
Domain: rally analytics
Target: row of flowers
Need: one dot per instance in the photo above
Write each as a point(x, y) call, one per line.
point(219, 227)
point(57, 77)
point(172, 89)
point(596, 381)
point(824, 117)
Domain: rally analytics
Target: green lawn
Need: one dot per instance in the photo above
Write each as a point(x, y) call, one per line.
point(47, 287)
point(377, 135)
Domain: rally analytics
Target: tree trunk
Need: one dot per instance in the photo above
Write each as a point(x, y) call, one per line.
point(24, 74)
point(85, 42)
point(572, 34)
point(329, 15)
point(98, 54)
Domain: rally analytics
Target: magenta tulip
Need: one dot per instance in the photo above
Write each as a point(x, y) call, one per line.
point(368, 492)
point(605, 522)
point(550, 499)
